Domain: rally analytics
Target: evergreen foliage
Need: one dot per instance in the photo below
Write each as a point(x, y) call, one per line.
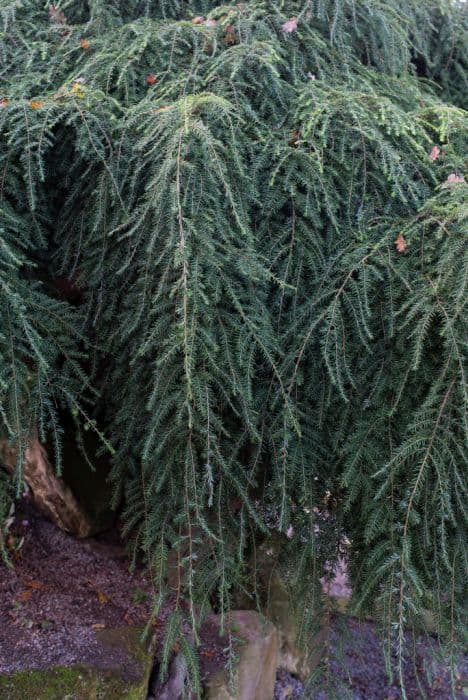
point(233, 240)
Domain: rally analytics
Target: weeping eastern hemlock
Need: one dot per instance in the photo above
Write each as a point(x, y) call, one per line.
point(233, 240)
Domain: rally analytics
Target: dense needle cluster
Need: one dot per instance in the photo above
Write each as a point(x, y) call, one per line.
point(233, 242)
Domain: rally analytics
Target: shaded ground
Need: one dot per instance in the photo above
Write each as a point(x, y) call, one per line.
point(62, 591)
point(357, 670)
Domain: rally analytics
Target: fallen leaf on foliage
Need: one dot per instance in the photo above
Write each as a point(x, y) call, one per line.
point(24, 596)
point(454, 179)
point(102, 597)
point(151, 79)
point(84, 43)
point(295, 137)
point(4, 102)
point(198, 20)
point(230, 35)
point(435, 153)
point(98, 626)
point(401, 244)
point(57, 15)
point(290, 26)
point(36, 104)
point(78, 90)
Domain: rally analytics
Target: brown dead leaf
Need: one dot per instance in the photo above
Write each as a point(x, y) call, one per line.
point(209, 653)
point(57, 15)
point(151, 79)
point(401, 243)
point(295, 137)
point(230, 35)
point(160, 110)
point(102, 597)
point(454, 179)
point(36, 585)
point(24, 596)
point(290, 26)
point(98, 626)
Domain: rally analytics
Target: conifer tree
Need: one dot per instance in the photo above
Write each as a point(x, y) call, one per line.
point(260, 209)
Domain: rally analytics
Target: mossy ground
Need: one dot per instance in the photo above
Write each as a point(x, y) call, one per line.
point(85, 682)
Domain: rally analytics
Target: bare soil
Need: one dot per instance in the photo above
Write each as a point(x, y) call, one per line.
point(61, 591)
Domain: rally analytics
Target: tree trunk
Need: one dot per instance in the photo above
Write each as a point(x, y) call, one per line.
point(50, 493)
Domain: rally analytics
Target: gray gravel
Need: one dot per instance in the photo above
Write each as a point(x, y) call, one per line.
point(357, 671)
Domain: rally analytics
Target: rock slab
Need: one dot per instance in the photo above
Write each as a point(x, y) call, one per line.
point(301, 661)
point(255, 671)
